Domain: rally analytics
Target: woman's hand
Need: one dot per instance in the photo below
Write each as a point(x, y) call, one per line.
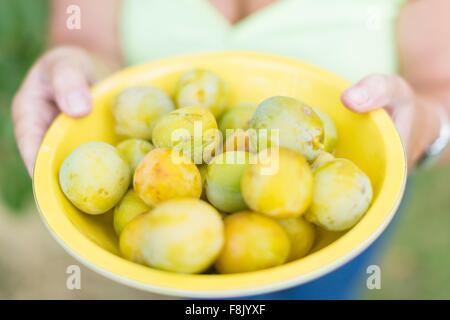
point(58, 82)
point(415, 116)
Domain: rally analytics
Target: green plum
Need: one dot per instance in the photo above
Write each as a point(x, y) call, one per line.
point(280, 186)
point(191, 130)
point(342, 194)
point(127, 209)
point(236, 118)
point(323, 158)
point(183, 235)
point(330, 131)
point(136, 110)
point(223, 181)
point(164, 175)
point(252, 242)
point(301, 234)
point(201, 88)
point(133, 151)
point(94, 177)
point(298, 126)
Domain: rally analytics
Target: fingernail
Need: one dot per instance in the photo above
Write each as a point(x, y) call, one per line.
point(358, 96)
point(78, 102)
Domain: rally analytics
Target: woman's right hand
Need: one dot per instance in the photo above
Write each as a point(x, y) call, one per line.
point(58, 82)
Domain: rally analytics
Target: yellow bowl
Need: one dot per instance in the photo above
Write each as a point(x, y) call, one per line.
point(370, 140)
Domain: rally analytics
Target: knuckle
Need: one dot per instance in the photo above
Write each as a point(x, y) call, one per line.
point(65, 74)
point(62, 51)
point(376, 78)
point(378, 84)
point(66, 55)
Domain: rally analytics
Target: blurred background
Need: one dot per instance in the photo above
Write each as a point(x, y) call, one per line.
point(415, 264)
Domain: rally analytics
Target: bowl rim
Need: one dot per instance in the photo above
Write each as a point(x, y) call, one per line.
point(288, 275)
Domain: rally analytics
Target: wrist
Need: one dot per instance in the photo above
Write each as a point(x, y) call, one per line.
point(425, 129)
point(434, 122)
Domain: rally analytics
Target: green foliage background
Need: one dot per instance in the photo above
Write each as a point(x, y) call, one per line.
point(22, 39)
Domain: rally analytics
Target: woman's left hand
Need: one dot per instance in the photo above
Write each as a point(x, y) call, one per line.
point(415, 116)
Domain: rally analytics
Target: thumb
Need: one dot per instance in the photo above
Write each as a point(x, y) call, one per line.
point(70, 88)
point(378, 91)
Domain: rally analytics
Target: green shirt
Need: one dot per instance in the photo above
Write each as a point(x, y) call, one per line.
point(353, 38)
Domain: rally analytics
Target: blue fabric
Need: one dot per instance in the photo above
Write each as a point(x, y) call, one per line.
point(347, 282)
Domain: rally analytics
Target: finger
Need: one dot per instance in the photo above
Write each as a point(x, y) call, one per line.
point(32, 116)
point(70, 89)
point(377, 91)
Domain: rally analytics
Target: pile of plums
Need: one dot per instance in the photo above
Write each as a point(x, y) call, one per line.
point(196, 185)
